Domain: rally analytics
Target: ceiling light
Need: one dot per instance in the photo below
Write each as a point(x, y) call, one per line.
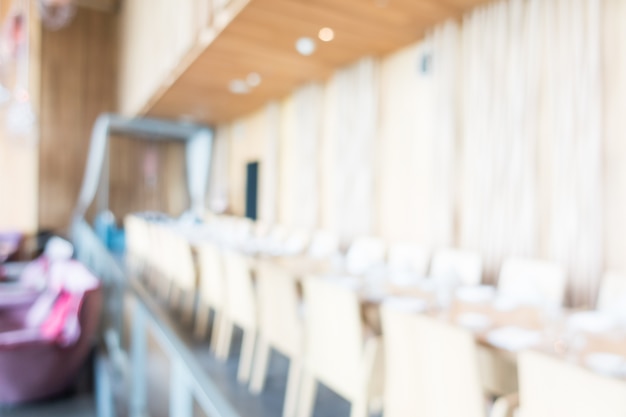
point(253, 79)
point(326, 34)
point(305, 46)
point(238, 87)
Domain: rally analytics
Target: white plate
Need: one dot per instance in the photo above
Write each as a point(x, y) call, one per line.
point(406, 304)
point(476, 294)
point(513, 338)
point(504, 303)
point(591, 322)
point(474, 321)
point(606, 363)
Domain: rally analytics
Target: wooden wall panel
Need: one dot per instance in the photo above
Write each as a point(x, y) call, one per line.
point(18, 159)
point(147, 175)
point(78, 81)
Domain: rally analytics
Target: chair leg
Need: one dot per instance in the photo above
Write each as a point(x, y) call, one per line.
point(215, 331)
point(224, 339)
point(188, 301)
point(308, 391)
point(202, 320)
point(259, 367)
point(175, 297)
point(166, 288)
point(246, 356)
point(293, 387)
point(359, 406)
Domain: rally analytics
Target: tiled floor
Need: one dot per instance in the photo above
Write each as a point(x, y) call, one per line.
point(267, 404)
point(79, 406)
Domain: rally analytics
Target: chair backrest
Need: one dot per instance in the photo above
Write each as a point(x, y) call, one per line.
point(323, 245)
point(133, 230)
point(159, 257)
point(465, 266)
point(240, 294)
point(182, 264)
point(446, 380)
point(532, 281)
point(612, 295)
point(401, 370)
point(296, 242)
point(274, 242)
point(551, 387)
point(408, 257)
point(333, 334)
point(279, 309)
point(365, 253)
point(211, 275)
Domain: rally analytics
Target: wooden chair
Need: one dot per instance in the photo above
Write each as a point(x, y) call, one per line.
point(280, 327)
point(182, 270)
point(432, 368)
point(137, 244)
point(465, 266)
point(211, 291)
point(551, 387)
point(365, 253)
point(338, 353)
point(408, 257)
point(532, 281)
point(324, 244)
point(160, 260)
point(240, 310)
point(401, 370)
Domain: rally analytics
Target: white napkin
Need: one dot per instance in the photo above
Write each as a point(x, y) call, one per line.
point(474, 321)
point(476, 294)
point(513, 338)
point(591, 322)
point(606, 363)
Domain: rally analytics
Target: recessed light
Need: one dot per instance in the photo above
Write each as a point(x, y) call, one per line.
point(305, 46)
point(253, 79)
point(238, 87)
point(326, 34)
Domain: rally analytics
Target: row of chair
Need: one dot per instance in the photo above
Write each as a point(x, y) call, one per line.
point(331, 345)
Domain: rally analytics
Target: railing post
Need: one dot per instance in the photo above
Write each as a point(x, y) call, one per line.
point(139, 353)
point(104, 393)
point(181, 397)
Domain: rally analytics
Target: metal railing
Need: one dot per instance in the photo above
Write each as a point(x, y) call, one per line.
point(188, 381)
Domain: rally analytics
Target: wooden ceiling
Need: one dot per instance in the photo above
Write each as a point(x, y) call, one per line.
point(262, 37)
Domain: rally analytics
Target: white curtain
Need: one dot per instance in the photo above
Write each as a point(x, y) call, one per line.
point(219, 179)
point(573, 114)
point(532, 135)
point(352, 131)
point(443, 45)
point(500, 87)
point(198, 149)
point(269, 169)
point(306, 143)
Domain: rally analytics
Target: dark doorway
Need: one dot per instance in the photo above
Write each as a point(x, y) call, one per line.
point(252, 190)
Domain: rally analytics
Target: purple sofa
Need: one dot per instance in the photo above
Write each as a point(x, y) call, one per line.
point(33, 367)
